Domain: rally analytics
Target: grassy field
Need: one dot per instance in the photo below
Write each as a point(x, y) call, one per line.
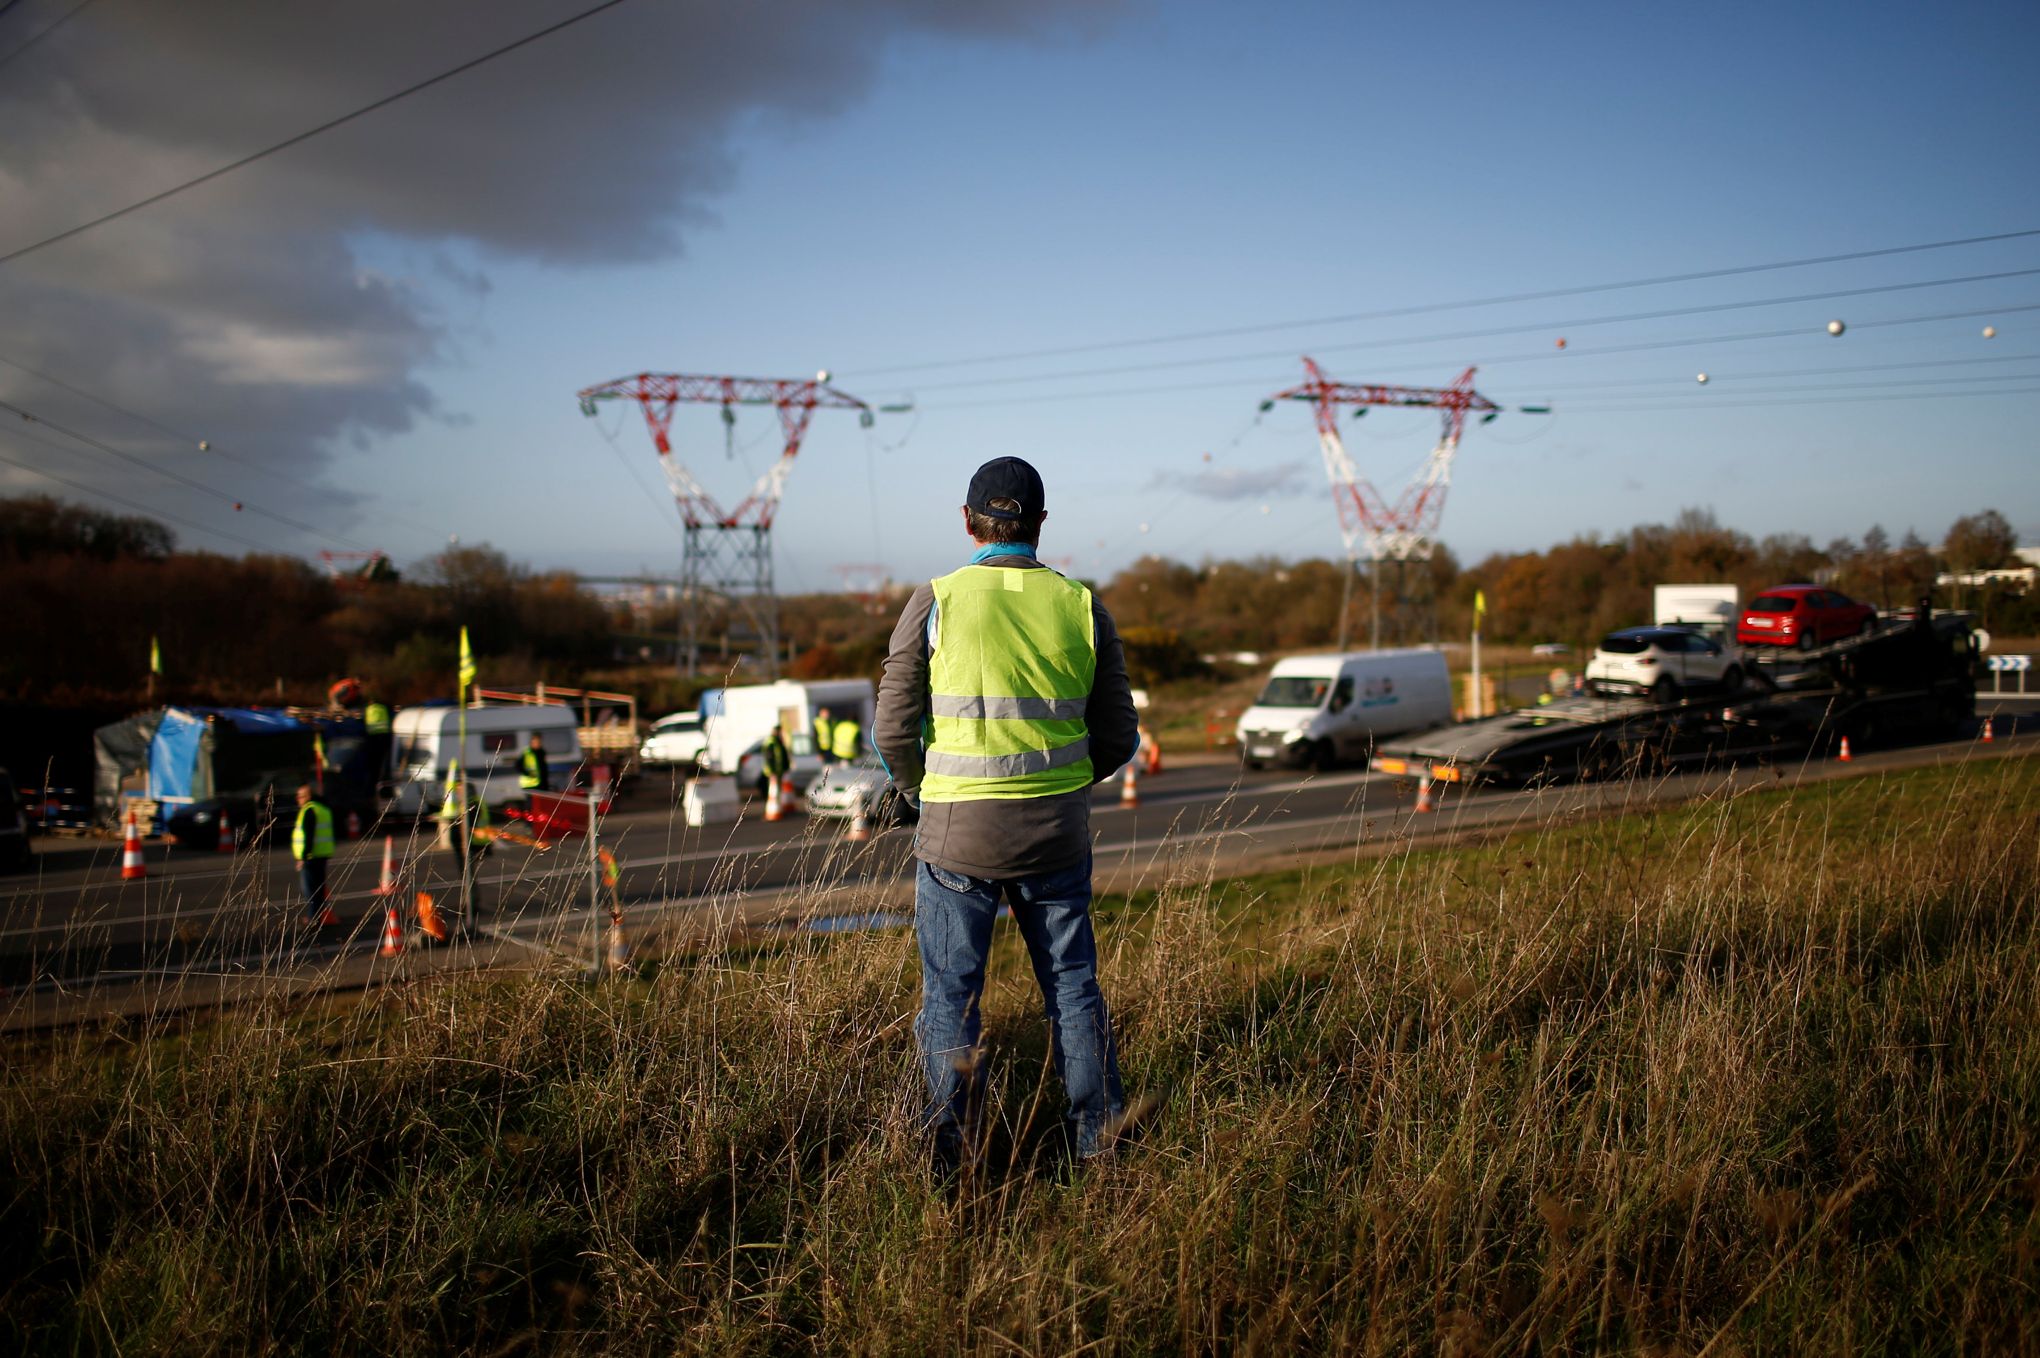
point(1753, 1077)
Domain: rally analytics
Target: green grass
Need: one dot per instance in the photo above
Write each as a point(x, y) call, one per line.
point(1756, 1076)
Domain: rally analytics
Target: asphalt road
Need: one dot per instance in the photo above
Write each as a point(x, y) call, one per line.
point(72, 930)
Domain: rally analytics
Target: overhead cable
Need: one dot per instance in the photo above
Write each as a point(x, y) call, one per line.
point(194, 484)
point(307, 135)
point(148, 510)
point(1490, 332)
point(1544, 295)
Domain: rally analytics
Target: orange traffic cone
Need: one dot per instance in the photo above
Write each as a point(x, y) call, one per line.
point(619, 947)
point(226, 844)
point(1987, 736)
point(131, 866)
point(860, 824)
point(1129, 787)
point(1154, 756)
point(431, 924)
point(328, 917)
point(354, 825)
point(773, 809)
point(388, 885)
point(392, 934)
point(1424, 802)
point(789, 795)
point(1843, 754)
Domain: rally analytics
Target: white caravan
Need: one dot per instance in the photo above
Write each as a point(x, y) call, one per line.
point(740, 718)
point(1321, 709)
point(426, 740)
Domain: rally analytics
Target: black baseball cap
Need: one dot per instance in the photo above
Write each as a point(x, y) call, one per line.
point(1006, 488)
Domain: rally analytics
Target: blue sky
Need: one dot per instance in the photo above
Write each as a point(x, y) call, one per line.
point(1166, 168)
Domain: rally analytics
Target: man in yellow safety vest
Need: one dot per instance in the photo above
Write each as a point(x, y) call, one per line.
point(846, 739)
point(1005, 698)
point(825, 734)
point(311, 845)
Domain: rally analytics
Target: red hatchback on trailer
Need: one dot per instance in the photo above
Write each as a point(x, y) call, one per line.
point(1805, 616)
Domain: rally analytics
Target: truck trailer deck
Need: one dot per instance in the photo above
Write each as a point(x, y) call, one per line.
point(1904, 673)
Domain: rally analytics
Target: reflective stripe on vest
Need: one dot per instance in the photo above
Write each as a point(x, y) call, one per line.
point(1010, 668)
point(321, 845)
point(530, 770)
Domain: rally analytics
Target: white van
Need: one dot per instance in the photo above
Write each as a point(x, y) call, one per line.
point(1321, 709)
point(740, 718)
point(426, 740)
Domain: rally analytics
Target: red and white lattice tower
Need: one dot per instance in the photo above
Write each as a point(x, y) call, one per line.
point(1407, 530)
point(729, 552)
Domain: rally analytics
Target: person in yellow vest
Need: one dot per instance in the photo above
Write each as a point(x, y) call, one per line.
point(463, 813)
point(311, 844)
point(532, 773)
point(846, 739)
point(825, 734)
point(1005, 698)
point(375, 728)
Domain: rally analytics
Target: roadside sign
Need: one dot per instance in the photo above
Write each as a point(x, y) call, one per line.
point(2014, 664)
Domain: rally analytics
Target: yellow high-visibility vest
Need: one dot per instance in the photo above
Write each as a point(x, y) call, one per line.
point(1010, 666)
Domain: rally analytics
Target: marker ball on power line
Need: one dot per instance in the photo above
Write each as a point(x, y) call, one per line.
point(1701, 379)
point(237, 506)
point(205, 445)
point(1561, 341)
point(1207, 457)
point(822, 376)
point(1990, 332)
point(1264, 509)
point(1143, 528)
point(1836, 327)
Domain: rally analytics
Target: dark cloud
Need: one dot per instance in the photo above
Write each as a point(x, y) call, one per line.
point(243, 308)
point(1239, 483)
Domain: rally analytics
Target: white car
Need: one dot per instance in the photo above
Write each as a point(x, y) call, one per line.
point(678, 739)
point(844, 787)
point(1663, 662)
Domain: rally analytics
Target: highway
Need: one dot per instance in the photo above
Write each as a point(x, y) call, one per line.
point(76, 940)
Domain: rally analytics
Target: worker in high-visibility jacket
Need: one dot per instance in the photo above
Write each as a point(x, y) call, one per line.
point(825, 734)
point(846, 739)
point(463, 812)
point(375, 718)
point(532, 773)
point(311, 845)
point(1005, 698)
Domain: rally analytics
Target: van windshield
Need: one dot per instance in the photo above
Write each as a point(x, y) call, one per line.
point(1295, 690)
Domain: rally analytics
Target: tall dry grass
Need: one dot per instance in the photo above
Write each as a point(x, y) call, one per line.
point(1760, 1076)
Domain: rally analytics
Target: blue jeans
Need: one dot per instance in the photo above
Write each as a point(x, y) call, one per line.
point(953, 917)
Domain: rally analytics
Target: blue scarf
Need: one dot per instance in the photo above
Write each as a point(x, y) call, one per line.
point(990, 550)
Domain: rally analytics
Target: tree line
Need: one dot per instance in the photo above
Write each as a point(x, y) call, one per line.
point(88, 590)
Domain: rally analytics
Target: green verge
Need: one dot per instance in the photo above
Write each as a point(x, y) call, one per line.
point(1751, 1076)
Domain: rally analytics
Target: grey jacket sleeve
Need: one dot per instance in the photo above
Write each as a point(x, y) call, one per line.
point(903, 694)
point(1115, 727)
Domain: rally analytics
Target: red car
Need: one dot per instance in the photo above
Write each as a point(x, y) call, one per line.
point(1805, 616)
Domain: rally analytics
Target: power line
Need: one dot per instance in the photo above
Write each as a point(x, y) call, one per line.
point(1642, 346)
point(1811, 401)
point(146, 510)
point(1548, 294)
point(305, 136)
point(180, 478)
point(203, 445)
point(69, 15)
point(1491, 332)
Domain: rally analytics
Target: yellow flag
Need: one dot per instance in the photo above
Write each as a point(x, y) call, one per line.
point(155, 657)
point(1479, 606)
point(467, 665)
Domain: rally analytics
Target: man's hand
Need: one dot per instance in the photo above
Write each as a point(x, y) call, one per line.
point(300, 865)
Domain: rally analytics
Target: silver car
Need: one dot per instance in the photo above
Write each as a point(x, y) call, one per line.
point(844, 787)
